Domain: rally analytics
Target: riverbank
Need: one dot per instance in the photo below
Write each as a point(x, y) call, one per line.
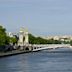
point(14, 52)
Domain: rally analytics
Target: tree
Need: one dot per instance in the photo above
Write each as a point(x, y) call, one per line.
point(3, 36)
point(39, 40)
point(32, 39)
point(13, 40)
point(71, 42)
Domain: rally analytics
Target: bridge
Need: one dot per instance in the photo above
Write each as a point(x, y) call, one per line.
point(50, 46)
point(24, 43)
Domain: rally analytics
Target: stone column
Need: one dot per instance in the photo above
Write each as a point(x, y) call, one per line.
point(20, 42)
point(26, 42)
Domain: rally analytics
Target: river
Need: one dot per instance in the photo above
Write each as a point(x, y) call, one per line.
point(59, 60)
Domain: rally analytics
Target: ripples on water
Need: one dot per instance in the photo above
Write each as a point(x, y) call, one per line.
point(59, 60)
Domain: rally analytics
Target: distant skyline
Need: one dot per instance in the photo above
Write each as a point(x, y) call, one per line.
point(41, 17)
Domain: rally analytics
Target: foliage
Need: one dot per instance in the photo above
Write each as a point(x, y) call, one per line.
point(39, 40)
point(13, 40)
point(71, 42)
point(3, 37)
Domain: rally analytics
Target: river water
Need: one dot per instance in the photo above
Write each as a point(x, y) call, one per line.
point(59, 60)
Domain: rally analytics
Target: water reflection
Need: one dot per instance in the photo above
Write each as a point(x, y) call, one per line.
point(59, 60)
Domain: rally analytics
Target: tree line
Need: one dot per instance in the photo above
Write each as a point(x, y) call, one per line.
point(39, 40)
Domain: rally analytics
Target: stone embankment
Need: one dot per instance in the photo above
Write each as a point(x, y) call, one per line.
point(14, 52)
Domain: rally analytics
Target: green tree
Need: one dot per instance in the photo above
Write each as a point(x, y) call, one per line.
point(71, 42)
point(13, 40)
point(39, 40)
point(3, 36)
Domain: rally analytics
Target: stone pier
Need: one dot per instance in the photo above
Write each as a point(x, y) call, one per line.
point(23, 42)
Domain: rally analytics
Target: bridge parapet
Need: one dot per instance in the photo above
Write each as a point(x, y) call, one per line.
point(51, 45)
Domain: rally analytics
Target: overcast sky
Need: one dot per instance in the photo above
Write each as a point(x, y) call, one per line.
point(41, 17)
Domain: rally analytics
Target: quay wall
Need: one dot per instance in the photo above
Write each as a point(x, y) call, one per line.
point(14, 52)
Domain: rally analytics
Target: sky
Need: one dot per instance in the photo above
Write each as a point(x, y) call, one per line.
point(40, 17)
